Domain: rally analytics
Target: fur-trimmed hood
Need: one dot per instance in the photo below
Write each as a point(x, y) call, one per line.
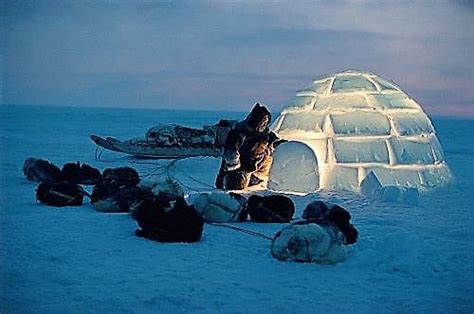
point(259, 118)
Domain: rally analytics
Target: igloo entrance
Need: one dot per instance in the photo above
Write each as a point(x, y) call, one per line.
point(294, 169)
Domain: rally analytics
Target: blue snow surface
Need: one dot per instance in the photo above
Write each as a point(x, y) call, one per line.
point(409, 258)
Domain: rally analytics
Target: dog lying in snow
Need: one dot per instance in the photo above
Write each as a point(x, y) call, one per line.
point(122, 195)
point(168, 221)
point(326, 213)
point(60, 187)
point(221, 207)
point(321, 238)
point(40, 170)
point(270, 208)
point(231, 207)
point(60, 194)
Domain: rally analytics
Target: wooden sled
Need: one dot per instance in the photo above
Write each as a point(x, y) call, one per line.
point(151, 150)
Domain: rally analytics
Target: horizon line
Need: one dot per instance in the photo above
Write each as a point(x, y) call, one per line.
point(456, 113)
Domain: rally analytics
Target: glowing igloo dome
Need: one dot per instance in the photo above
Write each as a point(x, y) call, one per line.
point(344, 126)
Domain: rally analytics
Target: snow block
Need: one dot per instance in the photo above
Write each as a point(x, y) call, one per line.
point(408, 151)
point(360, 123)
point(300, 103)
point(341, 102)
point(409, 124)
point(393, 101)
point(345, 178)
point(390, 193)
point(306, 121)
point(385, 85)
point(361, 151)
point(411, 196)
point(352, 83)
point(397, 194)
point(316, 86)
point(370, 185)
point(400, 177)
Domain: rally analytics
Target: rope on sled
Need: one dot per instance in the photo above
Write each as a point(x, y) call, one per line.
point(242, 230)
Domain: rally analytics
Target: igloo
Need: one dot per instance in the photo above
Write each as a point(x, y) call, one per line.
point(345, 126)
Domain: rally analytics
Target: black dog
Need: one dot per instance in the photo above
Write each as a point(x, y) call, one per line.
point(165, 221)
point(81, 173)
point(319, 212)
point(112, 199)
point(123, 176)
point(60, 194)
point(40, 170)
point(270, 209)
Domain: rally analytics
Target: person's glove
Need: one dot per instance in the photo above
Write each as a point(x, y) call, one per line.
point(232, 160)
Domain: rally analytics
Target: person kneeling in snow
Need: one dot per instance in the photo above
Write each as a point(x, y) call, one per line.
point(247, 151)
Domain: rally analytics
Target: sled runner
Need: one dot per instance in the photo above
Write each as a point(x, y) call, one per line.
point(172, 141)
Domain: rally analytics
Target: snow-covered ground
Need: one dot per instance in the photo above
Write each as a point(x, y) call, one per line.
point(408, 258)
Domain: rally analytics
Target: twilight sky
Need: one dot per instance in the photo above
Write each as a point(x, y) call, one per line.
point(227, 55)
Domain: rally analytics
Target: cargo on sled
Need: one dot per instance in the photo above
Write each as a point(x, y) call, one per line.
point(172, 141)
